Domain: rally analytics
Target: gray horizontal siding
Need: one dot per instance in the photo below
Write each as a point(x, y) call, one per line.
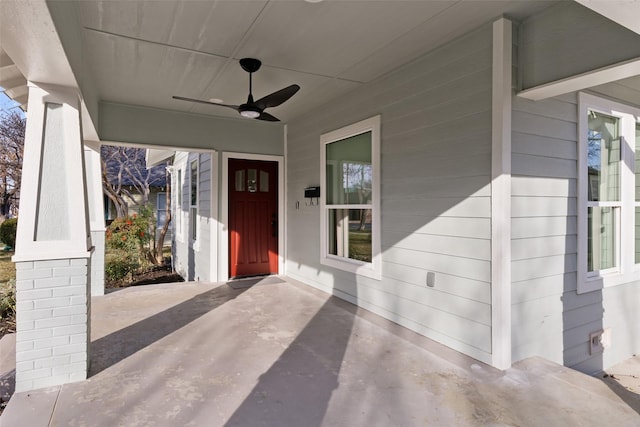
point(436, 197)
point(550, 318)
point(544, 235)
point(202, 254)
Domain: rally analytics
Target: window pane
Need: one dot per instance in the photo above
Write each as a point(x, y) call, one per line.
point(193, 220)
point(601, 239)
point(194, 183)
point(252, 180)
point(162, 201)
point(179, 202)
point(264, 182)
point(349, 170)
point(162, 217)
point(350, 233)
point(161, 213)
point(240, 180)
point(603, 158)
point(179, 192)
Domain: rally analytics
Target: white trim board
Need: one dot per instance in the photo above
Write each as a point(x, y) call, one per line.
point(214, 216)
point(223, 224)
point(501, 195)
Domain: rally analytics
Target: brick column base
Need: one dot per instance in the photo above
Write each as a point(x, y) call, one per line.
point(53, 314)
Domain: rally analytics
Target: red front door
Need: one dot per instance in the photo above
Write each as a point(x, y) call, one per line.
point(253, 217)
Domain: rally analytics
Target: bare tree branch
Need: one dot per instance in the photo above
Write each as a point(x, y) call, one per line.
point(12, 132)
point(128, 182)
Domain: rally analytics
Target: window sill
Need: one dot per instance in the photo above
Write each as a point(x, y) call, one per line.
point(607, 280)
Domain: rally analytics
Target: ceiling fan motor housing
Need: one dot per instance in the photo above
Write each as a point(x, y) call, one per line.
point(250, 65)
point(250, 111)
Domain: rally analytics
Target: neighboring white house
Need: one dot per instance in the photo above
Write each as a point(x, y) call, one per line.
point(476, 161)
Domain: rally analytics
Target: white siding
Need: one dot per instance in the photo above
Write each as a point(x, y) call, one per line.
point(436, 205)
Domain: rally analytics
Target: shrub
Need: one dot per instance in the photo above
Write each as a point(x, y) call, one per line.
point(118, 268)
point(8, 232)
point(8, 299)
point(128, 240)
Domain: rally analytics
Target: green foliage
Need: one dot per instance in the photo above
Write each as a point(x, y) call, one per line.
point(128, 241)
point(8, 299)
point(8, 232)
point(118, 268)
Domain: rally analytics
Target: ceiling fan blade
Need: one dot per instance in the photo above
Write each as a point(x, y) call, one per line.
point(277, 98)
point(182, 98)
point(267, 117)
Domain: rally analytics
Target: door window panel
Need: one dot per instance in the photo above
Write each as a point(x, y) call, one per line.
point(240, 180)
point(252, 180)
point(264, 182)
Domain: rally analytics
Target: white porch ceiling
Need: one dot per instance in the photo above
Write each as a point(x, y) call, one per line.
point(143, 52)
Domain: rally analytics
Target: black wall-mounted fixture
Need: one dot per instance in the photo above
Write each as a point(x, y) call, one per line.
point(312, 193)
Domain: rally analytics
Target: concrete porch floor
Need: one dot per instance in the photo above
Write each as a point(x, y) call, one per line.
point(282, 354)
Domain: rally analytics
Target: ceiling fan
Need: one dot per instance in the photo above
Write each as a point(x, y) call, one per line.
point(254, 109)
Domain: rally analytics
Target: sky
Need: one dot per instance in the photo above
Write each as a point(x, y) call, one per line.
point(6, 103)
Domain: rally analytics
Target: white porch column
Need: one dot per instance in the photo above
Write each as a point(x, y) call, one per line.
point(96, 215)
point(53, 245)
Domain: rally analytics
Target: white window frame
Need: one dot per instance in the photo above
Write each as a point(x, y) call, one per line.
point(626, 269)
point(192, 226)
point(374, 268)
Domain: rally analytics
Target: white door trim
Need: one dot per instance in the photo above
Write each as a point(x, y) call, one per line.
point(214, 215)
point(223, 233)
